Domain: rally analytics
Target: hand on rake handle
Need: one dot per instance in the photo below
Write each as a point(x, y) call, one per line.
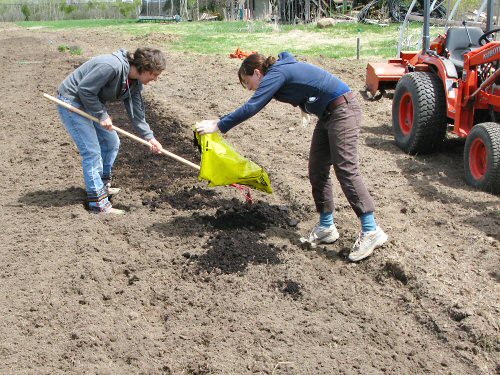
point(107, 124)
point(156, 146)
point(207, 126)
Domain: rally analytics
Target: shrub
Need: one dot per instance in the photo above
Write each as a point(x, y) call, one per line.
point(73, 50)
point(68, 9)
point(26, 12)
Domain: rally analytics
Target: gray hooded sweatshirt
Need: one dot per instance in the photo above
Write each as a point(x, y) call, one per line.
point(104, 78)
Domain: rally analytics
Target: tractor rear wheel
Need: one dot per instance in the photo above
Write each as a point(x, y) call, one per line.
point(419, 112)
point(482, 157)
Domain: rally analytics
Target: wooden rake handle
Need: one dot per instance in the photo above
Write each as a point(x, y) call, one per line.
point(121, 131)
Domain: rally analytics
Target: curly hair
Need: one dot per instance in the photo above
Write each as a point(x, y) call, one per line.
point(147, 59)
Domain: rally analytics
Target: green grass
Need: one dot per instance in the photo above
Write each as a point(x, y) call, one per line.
point(224, 37)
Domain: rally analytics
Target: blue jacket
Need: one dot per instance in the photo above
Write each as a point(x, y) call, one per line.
point(289, 81)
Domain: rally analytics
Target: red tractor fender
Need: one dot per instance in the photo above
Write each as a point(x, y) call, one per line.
point(448, 75)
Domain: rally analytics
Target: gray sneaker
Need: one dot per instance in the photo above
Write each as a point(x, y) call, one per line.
point(321, 235)
point(366, 243)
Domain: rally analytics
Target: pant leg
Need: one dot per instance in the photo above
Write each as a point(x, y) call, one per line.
point(109, 143)
point(343, 126)
point(320, 162)
point(84, 135)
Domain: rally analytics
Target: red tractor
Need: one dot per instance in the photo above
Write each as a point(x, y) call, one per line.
point(452, 84)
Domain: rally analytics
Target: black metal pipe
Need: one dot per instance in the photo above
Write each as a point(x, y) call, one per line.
point(426, 32)
point(489, 15)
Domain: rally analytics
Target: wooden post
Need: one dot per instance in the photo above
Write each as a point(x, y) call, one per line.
point(357, 47)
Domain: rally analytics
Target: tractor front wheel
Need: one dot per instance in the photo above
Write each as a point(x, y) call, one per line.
point(482, 157)
point(419, 112)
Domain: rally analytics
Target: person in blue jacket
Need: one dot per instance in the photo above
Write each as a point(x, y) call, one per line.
point(334, 141)
point(116, 77)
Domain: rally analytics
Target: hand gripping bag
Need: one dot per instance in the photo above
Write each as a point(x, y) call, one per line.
point(222, 165)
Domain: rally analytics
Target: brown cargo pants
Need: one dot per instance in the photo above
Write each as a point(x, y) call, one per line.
point(335, 142)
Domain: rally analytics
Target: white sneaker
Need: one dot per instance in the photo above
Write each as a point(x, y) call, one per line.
point(321, 235)
point(113, 211)
point(108, 211)
point(112, 191)
point(366, 243)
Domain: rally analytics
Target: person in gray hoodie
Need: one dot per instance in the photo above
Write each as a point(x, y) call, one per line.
point(334, 141)
point(116, 77)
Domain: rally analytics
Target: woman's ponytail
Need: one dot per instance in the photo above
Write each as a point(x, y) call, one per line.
point(267, 63)
point(252, 62)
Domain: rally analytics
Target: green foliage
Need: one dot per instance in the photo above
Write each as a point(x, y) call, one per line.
point(26, 11)
point(68, 9)
point(15, 10)
point(465, 7)
point(127, 9)
point(73, 50)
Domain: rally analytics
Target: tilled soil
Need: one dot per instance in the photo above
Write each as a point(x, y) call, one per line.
point(195, 281)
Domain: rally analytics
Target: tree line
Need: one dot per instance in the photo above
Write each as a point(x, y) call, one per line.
point(50, 10)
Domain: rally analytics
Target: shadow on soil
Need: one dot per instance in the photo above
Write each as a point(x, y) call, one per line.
point(425, 174)
point(57, 198)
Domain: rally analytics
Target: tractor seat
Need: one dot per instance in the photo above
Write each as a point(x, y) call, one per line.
point(457, 43)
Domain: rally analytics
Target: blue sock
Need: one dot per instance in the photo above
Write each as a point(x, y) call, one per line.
point(325, 219)
point(368, 223)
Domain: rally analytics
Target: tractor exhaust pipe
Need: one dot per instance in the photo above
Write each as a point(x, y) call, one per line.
point(426, 31)
point(489, 15)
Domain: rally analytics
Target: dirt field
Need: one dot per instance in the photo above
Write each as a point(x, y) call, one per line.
point(192, 282)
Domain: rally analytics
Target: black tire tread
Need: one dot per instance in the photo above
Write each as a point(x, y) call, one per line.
point(490, 133)
point(429, 103)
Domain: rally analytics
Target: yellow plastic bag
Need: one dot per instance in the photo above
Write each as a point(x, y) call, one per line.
point(222, 165)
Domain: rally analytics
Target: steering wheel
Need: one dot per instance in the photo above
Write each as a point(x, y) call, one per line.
point(483, 39)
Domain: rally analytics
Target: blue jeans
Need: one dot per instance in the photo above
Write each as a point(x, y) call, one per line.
point(98, 148)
